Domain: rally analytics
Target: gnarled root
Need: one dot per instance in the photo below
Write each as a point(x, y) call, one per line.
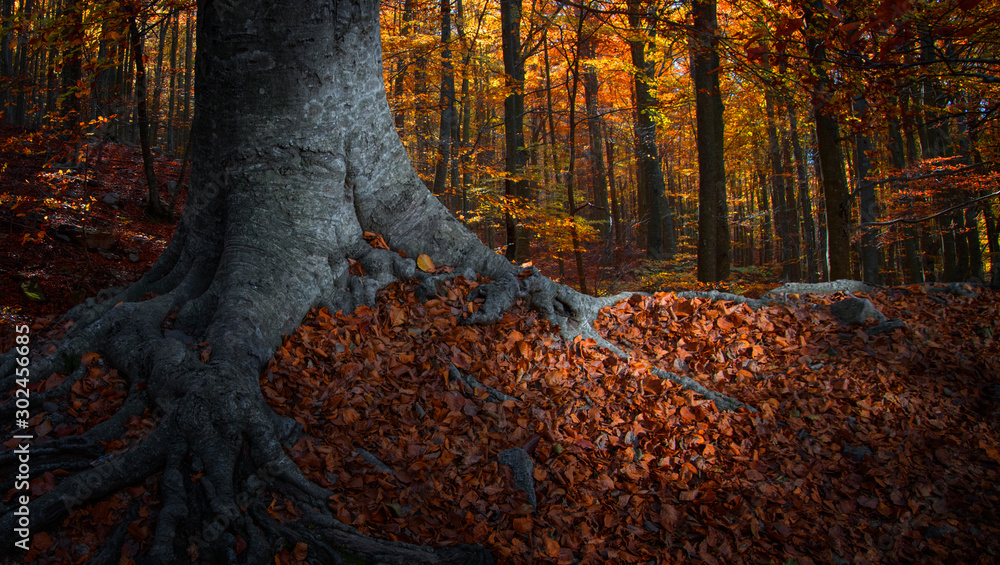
point(217, 445)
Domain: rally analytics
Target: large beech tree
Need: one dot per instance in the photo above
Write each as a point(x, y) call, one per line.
point(294, 157)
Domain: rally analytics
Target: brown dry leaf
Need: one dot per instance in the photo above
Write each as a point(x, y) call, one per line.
point(551, 546)
point(41, 541)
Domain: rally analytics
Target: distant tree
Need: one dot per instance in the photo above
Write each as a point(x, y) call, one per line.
point(713, 208)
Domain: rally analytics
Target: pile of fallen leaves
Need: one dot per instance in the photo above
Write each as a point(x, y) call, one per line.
point(864, 450)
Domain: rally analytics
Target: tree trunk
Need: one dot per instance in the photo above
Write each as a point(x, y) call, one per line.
point(172, 97)
point(154, 208)
point(158, 81)
point(600, 212)
point(713, 208)
point(870, 271)
point(70, 93)
point(831, 159)
point(399, 83)
point(901, 155)
point(294, 157)
point(805, 203)
point(6, 56)
point(515, 185)
point(659, 245)
point(443, 166)
point(616, 216)
point(782, 221)
point(764, 210)
point(573, 86)
point(187, 107)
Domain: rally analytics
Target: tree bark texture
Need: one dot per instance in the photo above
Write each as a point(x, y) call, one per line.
point(448, 118)
point(713, 209)
point(595, 126)
point(871, 273)
point(515, 185)
point(805, 202)
point(650, 176)
point(831, 157)
point(154, 208)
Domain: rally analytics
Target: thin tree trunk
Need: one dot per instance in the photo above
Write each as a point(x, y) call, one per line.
point(783, 241)
point(515, 185)
point(70, 94)
point(900, 155)
point(158, 81)
point(600, 212)
point(870, 270)
point(6, 57)
point(649, 176)
point(573, 86)
point(399, 83)
point(154, 208)
point(443, 166)
point(616, 216)
point(831, 158)
point(713, 208)
point(805, 203)
point(188, 105)
point(172, 97)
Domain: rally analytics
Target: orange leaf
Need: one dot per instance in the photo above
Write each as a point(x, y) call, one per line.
point(300, 551)
point(551, 546)
point(523, 525)
point(424, 263)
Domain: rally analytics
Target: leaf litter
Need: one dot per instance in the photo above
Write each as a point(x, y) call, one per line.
point(865, 449)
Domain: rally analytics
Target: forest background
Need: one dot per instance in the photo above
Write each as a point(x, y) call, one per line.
point(567, 134)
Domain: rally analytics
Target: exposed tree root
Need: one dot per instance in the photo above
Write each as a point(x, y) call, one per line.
point(213, 422)
point(575, 314)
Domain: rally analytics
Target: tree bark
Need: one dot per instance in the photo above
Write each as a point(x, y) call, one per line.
point(866, 189)
point(831, 157)
point(659, 244)
point(713, 208)
point(515, 185)
point(573, 86)
point(600, 212)
point(805, 202)
point(154, 208)
point(442, 168)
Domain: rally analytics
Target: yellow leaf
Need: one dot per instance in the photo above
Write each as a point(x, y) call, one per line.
point(424, 263)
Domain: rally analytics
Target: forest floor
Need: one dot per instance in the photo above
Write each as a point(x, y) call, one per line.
point(863, 449)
